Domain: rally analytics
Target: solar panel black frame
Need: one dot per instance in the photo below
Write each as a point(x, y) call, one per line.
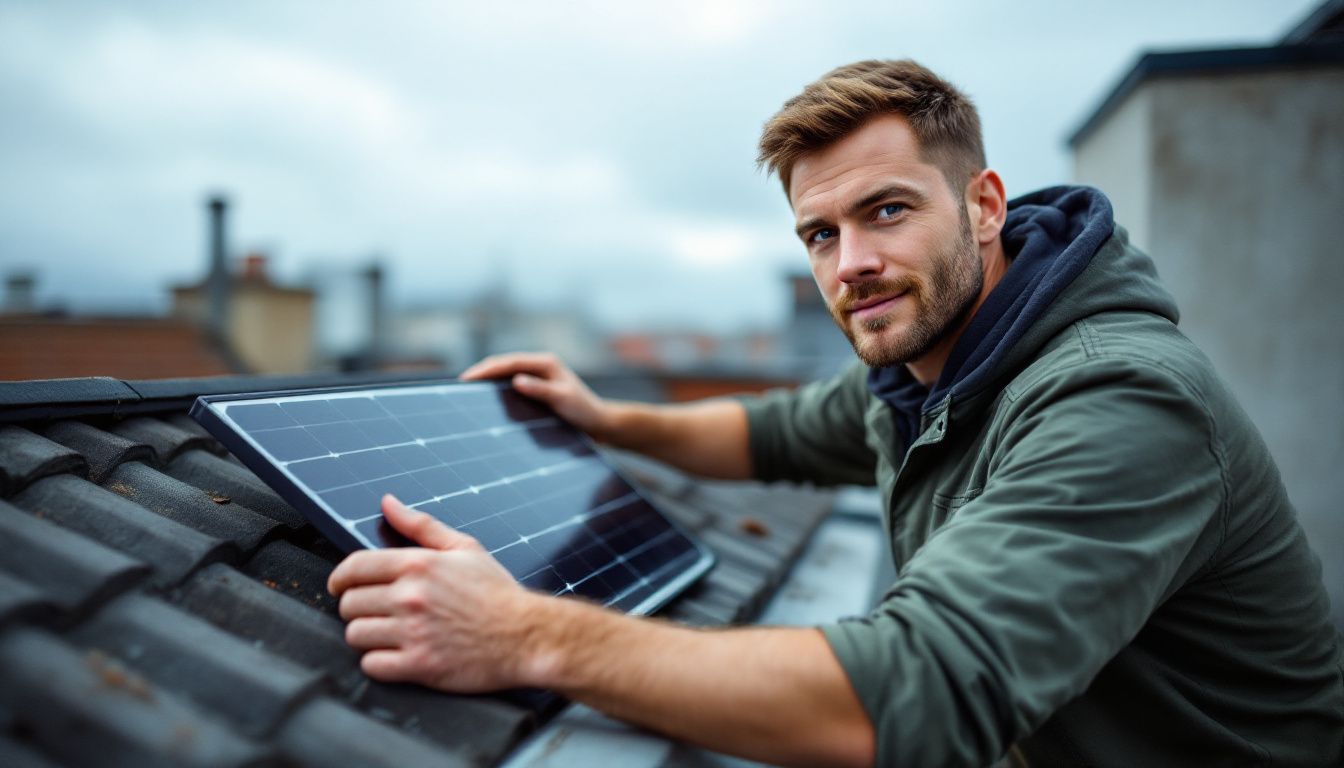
point(646, 596)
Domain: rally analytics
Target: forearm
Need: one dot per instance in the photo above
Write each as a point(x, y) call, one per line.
point(706, 438)
point(771, 694)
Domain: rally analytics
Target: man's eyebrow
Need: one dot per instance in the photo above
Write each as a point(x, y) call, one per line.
point(882, 193)
point(806, 224)
point(887, 191)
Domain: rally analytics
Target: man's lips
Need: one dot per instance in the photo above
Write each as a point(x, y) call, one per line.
point(875, 305)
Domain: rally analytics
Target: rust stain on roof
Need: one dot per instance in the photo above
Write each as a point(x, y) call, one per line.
point(113, 675)
point(754, 527)
point(122, 489)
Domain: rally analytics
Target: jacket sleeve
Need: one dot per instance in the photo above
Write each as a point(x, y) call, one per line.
point(1104, 493)
point(814, 433)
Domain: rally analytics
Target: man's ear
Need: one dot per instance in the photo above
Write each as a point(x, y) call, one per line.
point(986, 205)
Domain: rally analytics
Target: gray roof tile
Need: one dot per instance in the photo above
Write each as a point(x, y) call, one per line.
point(85, 708)
point(174, 611)
point(252, 689)
point(26, 457)
point(172, 549)
point(184, 422)
point(167, 440)
point(103, 451)
point(272, 621)
point(481, 728)
point(327, 732)
point(219, 476)
point(16, 755)
point(21, 601)
point(213, 514)
point(70, 571)
point(295, 572)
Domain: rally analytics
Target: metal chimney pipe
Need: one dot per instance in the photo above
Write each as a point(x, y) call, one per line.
point(19, 293)
point(217, 279)
point(374, 282)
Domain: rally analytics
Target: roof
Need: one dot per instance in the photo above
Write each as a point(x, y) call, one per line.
point(159, 605)
point(1220, 61)
point(36, 347)
point(1324, 23)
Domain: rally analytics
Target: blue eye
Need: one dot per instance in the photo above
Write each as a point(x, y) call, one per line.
point(821, 235)
point(889, 210)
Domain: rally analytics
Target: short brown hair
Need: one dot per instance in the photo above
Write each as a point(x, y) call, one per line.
point(943, 119)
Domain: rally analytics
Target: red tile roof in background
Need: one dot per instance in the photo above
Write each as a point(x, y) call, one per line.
point(124, 348)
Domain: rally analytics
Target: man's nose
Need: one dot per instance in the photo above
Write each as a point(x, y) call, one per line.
point(859, 260)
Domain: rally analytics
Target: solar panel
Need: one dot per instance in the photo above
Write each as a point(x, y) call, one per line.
point(478, 456)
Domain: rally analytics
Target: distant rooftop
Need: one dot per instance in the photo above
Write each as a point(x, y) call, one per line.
point(1317, 40)
point(40, 347)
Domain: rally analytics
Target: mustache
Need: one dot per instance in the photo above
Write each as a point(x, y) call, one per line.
point(864, 291)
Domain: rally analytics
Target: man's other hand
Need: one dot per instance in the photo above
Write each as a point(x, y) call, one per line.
point(445, 615)
point(541, 375)
point(707, 438)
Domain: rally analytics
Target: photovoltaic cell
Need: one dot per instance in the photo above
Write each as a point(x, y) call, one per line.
point(478, 456)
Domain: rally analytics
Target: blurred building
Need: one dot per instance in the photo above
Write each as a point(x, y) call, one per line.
point(1227, 166)
point(266, 326)
point(812, 344)
point(38, 344)
point(458, 333)
point(680, 350)
point(232, 321)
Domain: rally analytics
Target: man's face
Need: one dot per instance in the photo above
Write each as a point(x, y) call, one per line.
point(891, 246)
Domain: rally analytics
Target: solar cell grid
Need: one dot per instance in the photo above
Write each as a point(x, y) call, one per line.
point(480, 457)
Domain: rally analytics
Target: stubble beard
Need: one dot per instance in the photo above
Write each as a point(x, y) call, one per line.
point(940, 305)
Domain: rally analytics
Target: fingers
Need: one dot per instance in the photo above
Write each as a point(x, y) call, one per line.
point(367, 601)
point(373, 633)
point(390, 666)
point(534, 387)
point(542, 364)
point(424, 529)
point(375, 566)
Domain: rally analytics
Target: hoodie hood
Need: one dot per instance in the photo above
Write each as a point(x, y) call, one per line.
point(1069, 261)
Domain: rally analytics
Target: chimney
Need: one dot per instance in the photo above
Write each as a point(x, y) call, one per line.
point(374, 281)
point(217, 279)
point(254, 267)
point(19, 293)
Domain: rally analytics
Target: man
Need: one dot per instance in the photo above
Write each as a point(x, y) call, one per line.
point(1097, 561)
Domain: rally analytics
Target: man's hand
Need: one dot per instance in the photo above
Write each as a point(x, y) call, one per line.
point(446, 615)
point(542, 376)
point(707, 438)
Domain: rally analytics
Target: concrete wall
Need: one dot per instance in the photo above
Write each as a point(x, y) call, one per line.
point(1245, 192)
point(270, 329)
point(1119, 151)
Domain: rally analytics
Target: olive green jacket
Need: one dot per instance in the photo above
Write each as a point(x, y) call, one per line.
point(1097, 561)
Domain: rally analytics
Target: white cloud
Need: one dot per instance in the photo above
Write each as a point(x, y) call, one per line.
point(577, 147)
point(131, 79)
point(700, 244)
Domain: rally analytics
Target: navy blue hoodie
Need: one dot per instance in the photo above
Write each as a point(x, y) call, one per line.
point(1049, 236)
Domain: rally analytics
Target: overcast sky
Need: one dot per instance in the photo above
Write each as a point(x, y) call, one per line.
point(600, 154)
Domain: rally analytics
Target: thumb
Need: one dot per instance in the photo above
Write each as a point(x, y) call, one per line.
point(424, 529)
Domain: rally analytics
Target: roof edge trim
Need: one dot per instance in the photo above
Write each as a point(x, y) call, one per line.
point(1219, 61)
point(44, 399)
